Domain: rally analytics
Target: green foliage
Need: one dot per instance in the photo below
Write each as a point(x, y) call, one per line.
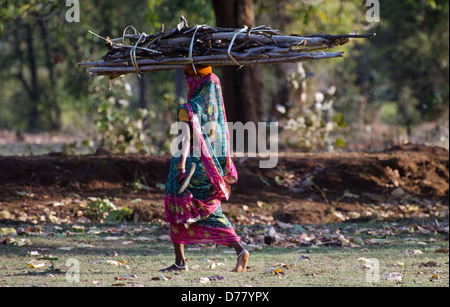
point(120, 215)
point(389, 112)
point(168, 13)
point(99, 209)
point(407, 64)
point(120, 132)
point(103, 209)
point(413, 55)
point(317, 128)
point(138, 186)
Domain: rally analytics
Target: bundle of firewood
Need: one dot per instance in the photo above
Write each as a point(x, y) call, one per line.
point(209, 46)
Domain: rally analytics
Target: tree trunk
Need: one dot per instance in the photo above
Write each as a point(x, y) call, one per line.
point(180, 85)
point(32, 88)
point(362, 81)
point(54, 109)
point(143, 103)
point(242, 88)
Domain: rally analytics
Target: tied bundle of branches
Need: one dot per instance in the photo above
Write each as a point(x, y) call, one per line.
point(209, 46)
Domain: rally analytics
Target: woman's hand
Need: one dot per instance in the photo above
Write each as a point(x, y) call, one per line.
point(181, 173)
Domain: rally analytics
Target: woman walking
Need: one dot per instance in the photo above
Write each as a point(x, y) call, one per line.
point(200, 177)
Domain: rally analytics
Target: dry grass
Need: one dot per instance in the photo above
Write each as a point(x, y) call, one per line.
point(123, 260)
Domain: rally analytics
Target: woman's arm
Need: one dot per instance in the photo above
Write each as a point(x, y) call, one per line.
point(185, 148)
point(185, 143)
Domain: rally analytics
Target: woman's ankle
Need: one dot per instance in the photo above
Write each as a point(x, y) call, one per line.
point(180, 263)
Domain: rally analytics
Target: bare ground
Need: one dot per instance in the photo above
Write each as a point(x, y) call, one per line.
point(405, 181)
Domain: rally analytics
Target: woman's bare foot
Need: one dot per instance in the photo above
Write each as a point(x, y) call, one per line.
point(242, 261)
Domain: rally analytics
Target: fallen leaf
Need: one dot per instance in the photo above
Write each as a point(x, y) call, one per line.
point(20, 243)
point(160, 186)
point(274, 271)
point(5, 215)
point(441, 250)
point(339, 215)
point(341, 238)
point(377, 241)
point(306, 238)
point(8, 232)
point(82, 245)
point(434, 277)
point(114, 262)
point(164, 238)
point(282, 265)
point(35, 264)
point(78, 228)
point(394, 276)
point(413, 252)
point(263, 205)
point(120, 278)
point(270, 270)
point(367, 263)
point(358, 241)
point(212, 265)
point(422, 230)
point(25, 194)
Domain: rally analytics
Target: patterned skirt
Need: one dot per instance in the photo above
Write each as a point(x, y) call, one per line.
point(196, 215)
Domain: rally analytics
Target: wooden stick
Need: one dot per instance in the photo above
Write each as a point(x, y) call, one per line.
point(204, 45)
point(226, 62)
point(276, 53)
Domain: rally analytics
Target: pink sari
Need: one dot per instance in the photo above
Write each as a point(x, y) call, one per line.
point(196, 216)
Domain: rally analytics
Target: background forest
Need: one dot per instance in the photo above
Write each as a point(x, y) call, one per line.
point(388, 90)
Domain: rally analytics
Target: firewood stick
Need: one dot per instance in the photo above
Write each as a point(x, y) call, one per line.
point(226, 62)
point(204, 45)
point(280, 55)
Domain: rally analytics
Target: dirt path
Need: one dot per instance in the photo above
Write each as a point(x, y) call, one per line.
point(305, 188)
